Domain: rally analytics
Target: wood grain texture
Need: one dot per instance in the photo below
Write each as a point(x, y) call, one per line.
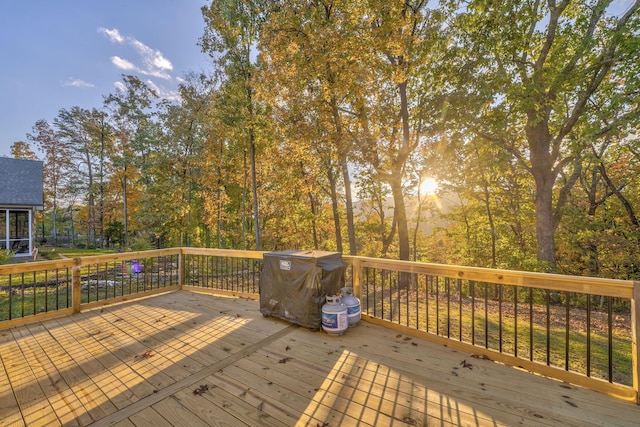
point(193, 359)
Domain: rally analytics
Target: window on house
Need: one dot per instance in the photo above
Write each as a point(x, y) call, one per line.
point(3, 229)
point(15, 231)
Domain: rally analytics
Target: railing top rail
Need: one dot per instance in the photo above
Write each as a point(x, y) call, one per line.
point(29, 267)
point(588, 285)
point(223, 252)
point(125, 256)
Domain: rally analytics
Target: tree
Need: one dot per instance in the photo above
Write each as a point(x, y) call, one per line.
point(22, 150)
point(530, 70)
point(173, 200)
point(76, 127)
point(307, 75)
point(57, 163)
point(231, 33)
point(131, 126)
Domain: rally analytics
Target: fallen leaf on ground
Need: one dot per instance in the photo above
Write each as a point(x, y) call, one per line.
point(200, 390)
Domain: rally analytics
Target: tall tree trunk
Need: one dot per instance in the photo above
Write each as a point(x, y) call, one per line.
point(334, 207)
point(396, 181)
point(400, 216)
point(91, 209)
point(254, 187)
point(339, 142)
point(542, 164)
point(244, 199)
point(124, 209)
point(492, 227)
point(351, 229)
point(545, 227)
point(252, 159)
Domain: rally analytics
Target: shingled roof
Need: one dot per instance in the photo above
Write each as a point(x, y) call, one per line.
point(21, 182)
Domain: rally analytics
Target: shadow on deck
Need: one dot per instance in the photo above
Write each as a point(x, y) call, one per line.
point(187, 359)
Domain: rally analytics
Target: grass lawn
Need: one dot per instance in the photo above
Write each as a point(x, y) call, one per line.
point(488, 323)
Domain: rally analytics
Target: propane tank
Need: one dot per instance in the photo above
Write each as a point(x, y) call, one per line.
point(353, 305)
point(334, 316)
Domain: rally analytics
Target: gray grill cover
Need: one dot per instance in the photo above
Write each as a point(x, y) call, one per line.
point(294, 283)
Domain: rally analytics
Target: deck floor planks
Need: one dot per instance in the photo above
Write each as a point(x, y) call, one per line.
point(246, 407)
point(488, 379)
point(67, 407)
point(177, 414)
point(267, 404)
point(30, 397)
point(195, 334)
point(146, 360)
point(148, 417)
point(130, 349)
point(370, 376)
point(119, 367)
point(377, 379)
point(9, 409)
point(109, 393)
point(467, 392)
point(62, 358)
point(397, 399)
point(154, 341)
point(98, 368)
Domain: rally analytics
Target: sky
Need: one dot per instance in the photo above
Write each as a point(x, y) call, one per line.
point(57, 54)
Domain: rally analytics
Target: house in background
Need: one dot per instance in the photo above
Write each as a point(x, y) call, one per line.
point(21, 195)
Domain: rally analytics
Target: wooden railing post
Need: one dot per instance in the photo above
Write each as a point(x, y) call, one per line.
point(76, 286)
point(356, 268)
point(635, 338)
point(181, 265)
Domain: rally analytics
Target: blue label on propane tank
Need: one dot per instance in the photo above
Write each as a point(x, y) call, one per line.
point(330, 320)
point(285, 265)
point(353, 309)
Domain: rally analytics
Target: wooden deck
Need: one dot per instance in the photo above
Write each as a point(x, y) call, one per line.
point(186, 359)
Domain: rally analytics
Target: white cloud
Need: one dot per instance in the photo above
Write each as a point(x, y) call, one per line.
point(152, 57)
point(123, 64)
point(120, 87)
point(114, 35)
point(77, 83)
point(153, 61)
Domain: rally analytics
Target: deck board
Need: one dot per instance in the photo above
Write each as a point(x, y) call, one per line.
point(138, 364)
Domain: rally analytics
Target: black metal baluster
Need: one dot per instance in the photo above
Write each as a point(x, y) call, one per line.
point(610, 338)
point(588, 335)
point(437, 305)
point(460, 337)
point(447, 287)
point(472, 290)
point(10, 297)
point(515, 321)
point(428, 287)
point(531, 324)
point(486, 316)
point(500, 298)
point(46, 292)
point(548, 303)
point(566, 338)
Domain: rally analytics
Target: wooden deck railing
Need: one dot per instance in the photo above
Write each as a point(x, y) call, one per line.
point(576, 329)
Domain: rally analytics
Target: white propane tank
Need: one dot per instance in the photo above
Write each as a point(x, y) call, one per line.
point(353, 305)
point(334, 316)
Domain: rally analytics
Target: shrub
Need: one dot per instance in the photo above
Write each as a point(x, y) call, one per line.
point(5, 256)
